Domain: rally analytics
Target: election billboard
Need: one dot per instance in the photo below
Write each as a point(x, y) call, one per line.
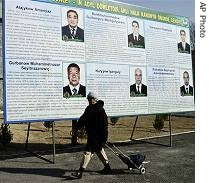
point(137, 60)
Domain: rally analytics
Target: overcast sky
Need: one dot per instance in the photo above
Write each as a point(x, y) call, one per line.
point(177, 7)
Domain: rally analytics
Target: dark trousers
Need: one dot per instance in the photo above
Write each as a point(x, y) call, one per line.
point(74, 135)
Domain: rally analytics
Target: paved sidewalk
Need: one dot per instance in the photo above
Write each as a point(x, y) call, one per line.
point(174, 164)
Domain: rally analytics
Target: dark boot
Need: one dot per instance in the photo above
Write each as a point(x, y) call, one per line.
point(79, 173)
point(107, 169)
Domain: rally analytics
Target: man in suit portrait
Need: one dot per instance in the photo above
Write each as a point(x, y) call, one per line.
point(138, 89)
point(135, 40)
point(186, 89)
point(74, 88)
point(183, 46)
point(72, 32)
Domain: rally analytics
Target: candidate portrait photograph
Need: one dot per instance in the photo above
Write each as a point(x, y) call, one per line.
point(183, 41)
point(138, 87)
point(135, 33)
point(74, 80)
point(72, 25)
point(186, 88)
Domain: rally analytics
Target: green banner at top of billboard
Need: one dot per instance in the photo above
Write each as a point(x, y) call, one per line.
point(124, 9)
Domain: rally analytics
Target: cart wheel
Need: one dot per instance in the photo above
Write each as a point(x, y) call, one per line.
point(142, 170)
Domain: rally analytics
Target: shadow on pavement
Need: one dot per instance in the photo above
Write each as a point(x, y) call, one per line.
point(17, 150)
point(60, 173)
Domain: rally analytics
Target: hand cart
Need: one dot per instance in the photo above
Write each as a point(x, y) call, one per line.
point(133, 161)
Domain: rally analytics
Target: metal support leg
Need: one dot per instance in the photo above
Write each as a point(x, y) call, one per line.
point(134, 127)
point(170, 130)
point(26, 145)
point(53, 138)
point(145, 140)
point(37, 155)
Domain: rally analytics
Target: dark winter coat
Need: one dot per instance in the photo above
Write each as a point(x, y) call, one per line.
point(95, 121)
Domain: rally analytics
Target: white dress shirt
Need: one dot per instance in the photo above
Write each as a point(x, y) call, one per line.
point(76, 87)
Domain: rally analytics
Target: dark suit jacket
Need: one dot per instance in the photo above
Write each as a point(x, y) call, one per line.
point(183, 92)
point(182, 50)
point(136, 43)
point(67, 36)
point(67, 92)
point(134, 93)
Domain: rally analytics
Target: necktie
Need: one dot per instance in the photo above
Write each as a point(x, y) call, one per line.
point(74, 91)
point(73, 30)
point(73, 33)
point(138, 89)
point(186, 90)
point(135, 38)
